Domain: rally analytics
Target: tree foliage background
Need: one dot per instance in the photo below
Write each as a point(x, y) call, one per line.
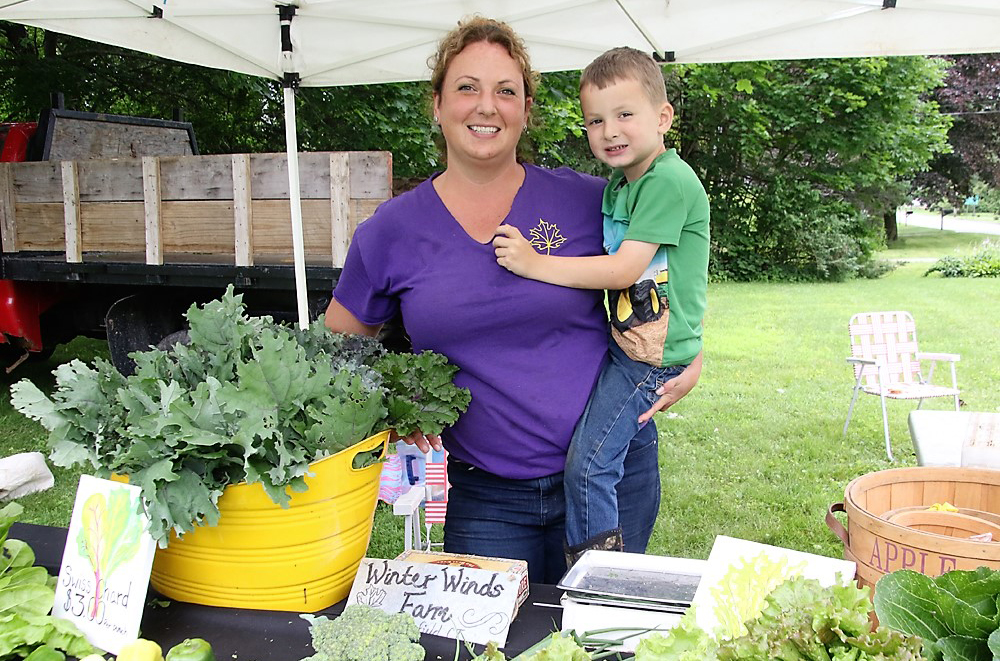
point(802, 160)
point(971, 97)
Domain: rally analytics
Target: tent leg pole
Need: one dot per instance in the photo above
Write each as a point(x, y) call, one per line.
point(295, 201)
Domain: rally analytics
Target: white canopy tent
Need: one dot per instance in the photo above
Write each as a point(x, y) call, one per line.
point(343, 42)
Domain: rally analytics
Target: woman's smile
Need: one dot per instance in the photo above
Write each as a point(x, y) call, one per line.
point(485, 130)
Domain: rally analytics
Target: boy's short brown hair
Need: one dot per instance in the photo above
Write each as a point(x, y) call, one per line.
point(624, 63)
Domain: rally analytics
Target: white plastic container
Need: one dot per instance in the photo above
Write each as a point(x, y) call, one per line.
point(981, 447)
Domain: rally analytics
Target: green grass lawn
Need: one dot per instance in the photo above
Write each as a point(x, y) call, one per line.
point(922, 243)
point(756, 450)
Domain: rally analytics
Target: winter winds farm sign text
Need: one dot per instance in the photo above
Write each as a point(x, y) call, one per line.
point(455, 601)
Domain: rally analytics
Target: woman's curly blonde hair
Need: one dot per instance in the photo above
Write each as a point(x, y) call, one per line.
point(475, 29)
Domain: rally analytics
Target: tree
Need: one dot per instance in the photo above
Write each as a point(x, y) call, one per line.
point(971, 95)
point(802, 159)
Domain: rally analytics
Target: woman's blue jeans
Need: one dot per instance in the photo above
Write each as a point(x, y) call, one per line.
point(596, 464)
point(525, 519)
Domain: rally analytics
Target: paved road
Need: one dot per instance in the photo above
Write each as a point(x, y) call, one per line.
point(952, 223)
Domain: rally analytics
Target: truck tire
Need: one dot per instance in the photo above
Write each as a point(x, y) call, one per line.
point(137, 323)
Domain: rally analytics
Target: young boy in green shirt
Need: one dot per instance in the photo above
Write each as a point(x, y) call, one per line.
point(656, 213)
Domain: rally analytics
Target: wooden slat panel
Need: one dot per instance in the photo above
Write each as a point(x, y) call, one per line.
point(71, 212)
point(340, 211)
point(272, 230)
point(197, 177)
point(205, 178)
point(7, 209)
point(371, 175)
point(40, 226)
point(971, 495)
point(186, 227)
point(111, 181)
point(120, 228)
point(37, 182)
point(198, 227)
point(114, 227)
point(118, 223)
point(937, 492)
point(78, 139)
point(991, 500)
point(270, 177)
point(242, 210)
point(877, 499)
point(904, 494)
point(361, 210)
point(151, 207)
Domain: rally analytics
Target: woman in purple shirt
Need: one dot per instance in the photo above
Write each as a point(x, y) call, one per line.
point(529, 352)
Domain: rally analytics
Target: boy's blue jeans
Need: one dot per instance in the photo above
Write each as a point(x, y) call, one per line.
point(595, 463)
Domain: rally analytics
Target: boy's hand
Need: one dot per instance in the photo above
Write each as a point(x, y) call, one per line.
point(513, 251)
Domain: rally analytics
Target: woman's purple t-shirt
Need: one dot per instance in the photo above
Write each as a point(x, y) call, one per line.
point(529, 352)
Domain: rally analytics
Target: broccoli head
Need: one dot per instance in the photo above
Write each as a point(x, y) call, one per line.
point(365, 633)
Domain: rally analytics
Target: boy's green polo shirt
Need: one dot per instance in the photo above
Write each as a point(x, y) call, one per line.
point(658, 319)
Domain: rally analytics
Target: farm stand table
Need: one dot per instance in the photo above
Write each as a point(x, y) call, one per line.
point(252, 635)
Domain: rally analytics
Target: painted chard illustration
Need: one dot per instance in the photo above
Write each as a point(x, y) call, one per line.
point(109, 537)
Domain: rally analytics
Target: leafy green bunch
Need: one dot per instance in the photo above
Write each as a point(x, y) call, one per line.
point(246, 400)
point(956, 614)
point(27, 630)
point(801, 621)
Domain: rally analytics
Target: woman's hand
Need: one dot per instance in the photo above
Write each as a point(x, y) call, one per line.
point(513, 251)
point(424, 442)
point(675, 389)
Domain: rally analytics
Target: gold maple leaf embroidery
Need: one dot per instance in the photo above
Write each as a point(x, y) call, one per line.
point(546, 237)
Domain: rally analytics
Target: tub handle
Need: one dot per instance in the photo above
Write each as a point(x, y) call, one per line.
point(370, 444)
point(834, 524)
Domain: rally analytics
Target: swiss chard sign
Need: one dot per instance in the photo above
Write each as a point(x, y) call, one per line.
point(106, 563)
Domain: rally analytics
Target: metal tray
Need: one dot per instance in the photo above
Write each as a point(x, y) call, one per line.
point(623, 602)
point(642, 580)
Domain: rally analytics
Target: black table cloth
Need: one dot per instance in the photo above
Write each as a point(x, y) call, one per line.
point(238, 634)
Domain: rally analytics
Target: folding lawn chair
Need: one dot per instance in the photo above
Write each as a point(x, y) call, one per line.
point(886, 363)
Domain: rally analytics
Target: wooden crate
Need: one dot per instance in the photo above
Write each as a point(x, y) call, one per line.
point(177, 208)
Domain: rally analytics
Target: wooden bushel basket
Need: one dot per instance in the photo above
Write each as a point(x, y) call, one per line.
point(880, 546)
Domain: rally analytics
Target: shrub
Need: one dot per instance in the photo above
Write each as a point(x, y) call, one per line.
point(984, 262)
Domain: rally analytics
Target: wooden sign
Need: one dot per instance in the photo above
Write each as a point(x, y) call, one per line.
point(454, 600)
point(106, 563)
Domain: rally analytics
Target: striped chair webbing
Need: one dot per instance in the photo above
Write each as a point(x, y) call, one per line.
point(891, 339)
